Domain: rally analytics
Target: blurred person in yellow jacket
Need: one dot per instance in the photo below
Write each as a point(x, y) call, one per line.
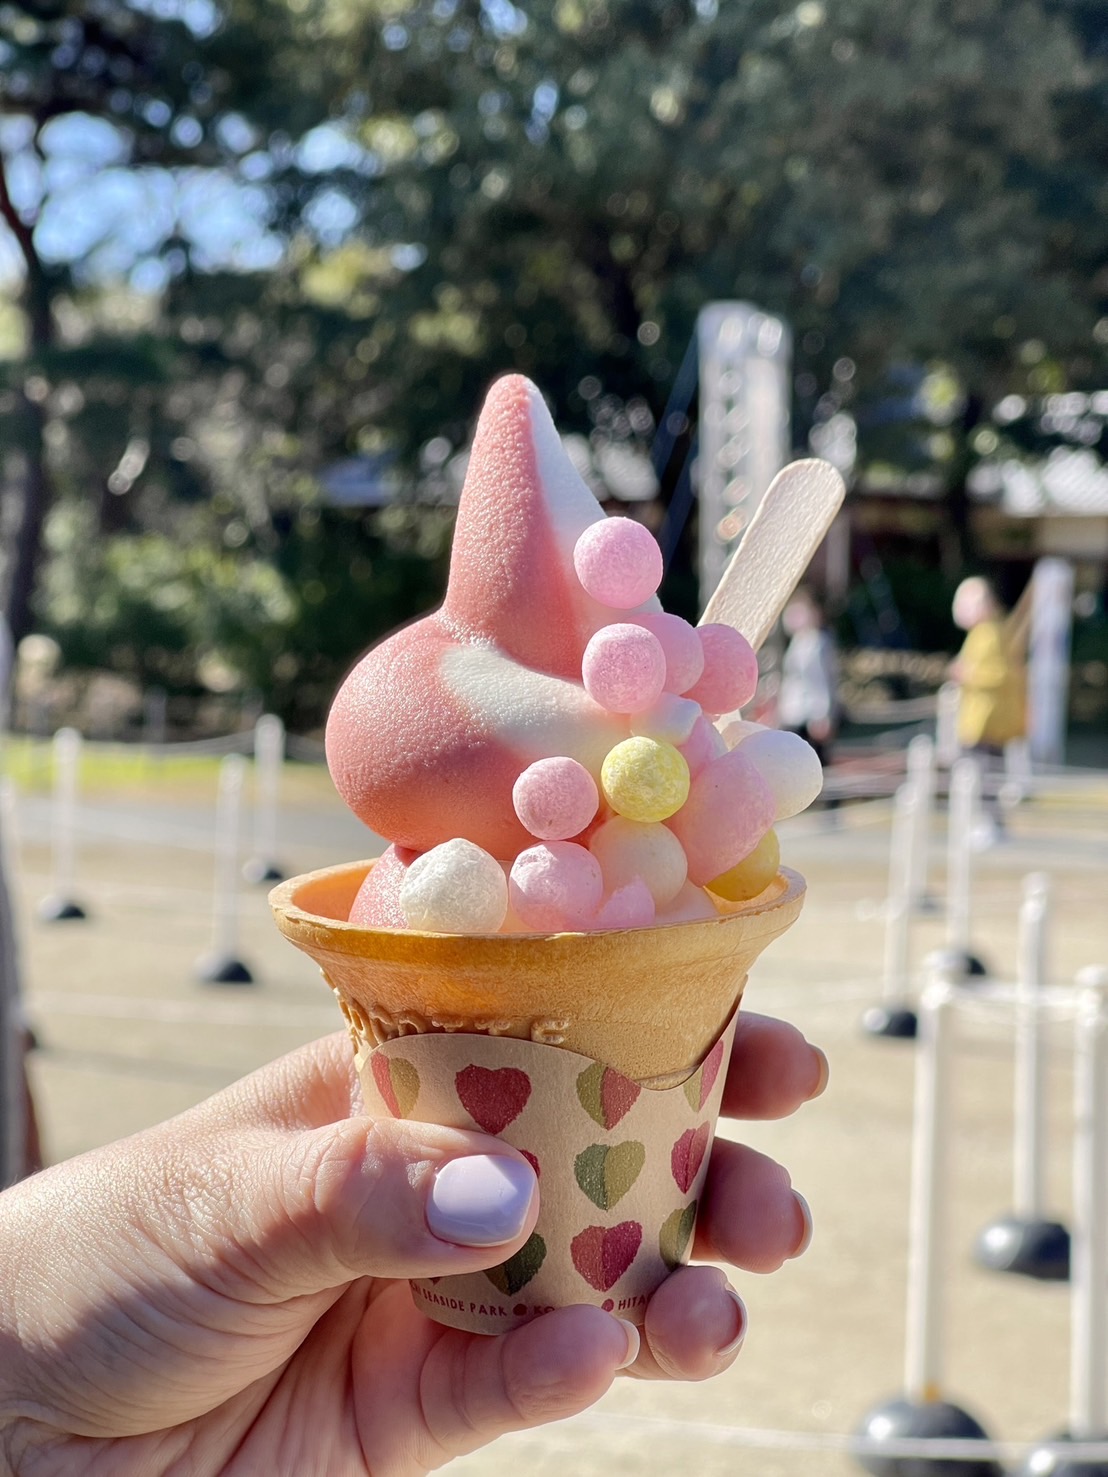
point(990, 671)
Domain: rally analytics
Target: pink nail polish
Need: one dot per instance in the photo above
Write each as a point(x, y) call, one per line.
point(481, 1200)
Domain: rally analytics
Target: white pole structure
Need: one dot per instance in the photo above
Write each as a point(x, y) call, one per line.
point(1025, 1241)
point(1089, 1258)
point(1029, 1145)
point(927, 1227)
point(894, 1016)
point(269, 760)
point(896, 982)
point(965, 794)
point(921, 774)
point(222, 965)
point(61, 903)
point(947, 747)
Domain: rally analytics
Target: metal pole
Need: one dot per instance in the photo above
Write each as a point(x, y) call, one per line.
point(1089, 1245)
point(927, 1228)
point(1029, 1112)
point(965, 791)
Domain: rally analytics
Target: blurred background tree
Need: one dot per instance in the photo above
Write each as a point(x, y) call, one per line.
point(251, 241)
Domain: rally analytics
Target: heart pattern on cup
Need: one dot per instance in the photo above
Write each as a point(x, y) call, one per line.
point(687, 1155)
point(698, 1089)
point(493, 1096)
point(602, 1254)
point(675, 1235)
point(606, 1095)
point(397, 1082)
point(519, 1269)
point(605, 1172)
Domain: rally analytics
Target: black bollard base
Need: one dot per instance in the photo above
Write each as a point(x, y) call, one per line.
point(907, 1419)
point(59, 909)
point(1039, 1249)
point(896, 1021)
point(258, 871)
point(1043, 1462)
point(222, 969)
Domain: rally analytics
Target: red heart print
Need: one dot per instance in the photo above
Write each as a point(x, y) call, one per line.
point(602, 1254)
point(493, 1097)
point(383, 1081)
point(709, 1071)
point(688, 1155)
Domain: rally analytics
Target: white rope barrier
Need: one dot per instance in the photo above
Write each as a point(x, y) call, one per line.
point(934, 1448)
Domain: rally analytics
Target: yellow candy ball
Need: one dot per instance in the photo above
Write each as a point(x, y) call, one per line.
point(645, 779)
point(746, 879)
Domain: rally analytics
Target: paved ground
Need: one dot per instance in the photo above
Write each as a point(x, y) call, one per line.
point(128, 1037)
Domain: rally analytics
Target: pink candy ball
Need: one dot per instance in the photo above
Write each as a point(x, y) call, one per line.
point(681, 644)
point(377, 904)
point(624, 668)
point(555, 886)
point(730, 670)
point(619, 562)
point(555, 798)
point(729, 810)
point(704, 744)
point(630, 906)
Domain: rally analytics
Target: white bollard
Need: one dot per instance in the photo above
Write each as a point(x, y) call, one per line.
point(947, 747)
point(61, 903)
point(927, 1226)
point(921, 774)
point(965, 794)
point(269, 760)
point(1029, 1109)
point(223, 965)
point(896, 983)
point(1089, 1254)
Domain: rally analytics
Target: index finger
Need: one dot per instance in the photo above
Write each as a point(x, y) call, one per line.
point(773, 1070)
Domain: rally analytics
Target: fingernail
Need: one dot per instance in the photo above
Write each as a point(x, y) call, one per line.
point(824, 1074)
point(736, 1343)
point(632, 1343)
point(481, 1200)
point(806, 1239)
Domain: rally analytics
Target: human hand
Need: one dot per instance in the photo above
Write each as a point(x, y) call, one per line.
point(225, 1293)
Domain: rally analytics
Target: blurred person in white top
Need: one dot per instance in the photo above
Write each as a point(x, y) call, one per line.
point(808, 700)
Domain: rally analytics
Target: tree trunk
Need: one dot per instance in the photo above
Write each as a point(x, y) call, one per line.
point(35, 491)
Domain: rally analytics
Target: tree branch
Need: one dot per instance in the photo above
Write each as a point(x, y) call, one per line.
point(23, 233)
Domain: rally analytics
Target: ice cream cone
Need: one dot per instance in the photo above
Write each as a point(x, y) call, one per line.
point(648, 1002)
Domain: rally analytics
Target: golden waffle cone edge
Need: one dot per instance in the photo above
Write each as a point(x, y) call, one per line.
point(649, 1002)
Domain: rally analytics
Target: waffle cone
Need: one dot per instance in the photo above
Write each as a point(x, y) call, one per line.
point(649, 1002)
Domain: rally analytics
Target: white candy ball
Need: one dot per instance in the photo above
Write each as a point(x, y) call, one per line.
point(627, 850)
point(789, 766)
point(670, 719)
point(691, 905)
point(455, 888)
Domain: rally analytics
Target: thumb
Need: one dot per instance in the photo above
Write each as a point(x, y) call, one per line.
point(300, 1212)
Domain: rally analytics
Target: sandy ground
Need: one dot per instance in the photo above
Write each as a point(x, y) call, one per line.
point(127, 1036)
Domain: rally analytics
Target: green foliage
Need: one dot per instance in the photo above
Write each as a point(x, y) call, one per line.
point(424, 193)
